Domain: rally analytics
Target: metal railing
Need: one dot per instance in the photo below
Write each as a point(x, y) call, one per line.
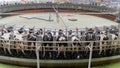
point(94, 46)
point(27, 6)
point(54, 46)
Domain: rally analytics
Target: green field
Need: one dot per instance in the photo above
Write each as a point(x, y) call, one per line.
point(10, 66)
point(113, 65)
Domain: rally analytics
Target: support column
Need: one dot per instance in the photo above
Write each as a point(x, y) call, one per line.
point(90, 55)
point(38, 59)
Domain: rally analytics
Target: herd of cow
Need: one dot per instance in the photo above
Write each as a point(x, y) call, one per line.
point(58, 44)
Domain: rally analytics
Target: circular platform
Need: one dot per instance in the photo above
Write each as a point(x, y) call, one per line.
point(49, 20)
point(59, 63)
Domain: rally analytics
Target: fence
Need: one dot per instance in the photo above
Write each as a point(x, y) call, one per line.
point(38, 47)
point(27, 6)
point(54, 47)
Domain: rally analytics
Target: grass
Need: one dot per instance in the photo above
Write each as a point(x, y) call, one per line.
point(113, 65)
point(10, 66)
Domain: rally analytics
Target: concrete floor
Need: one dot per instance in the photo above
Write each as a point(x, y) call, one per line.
point(41, 20)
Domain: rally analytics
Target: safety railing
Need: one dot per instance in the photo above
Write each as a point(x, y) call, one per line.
point(54, 45)
point(53, 49)
point(27, 6)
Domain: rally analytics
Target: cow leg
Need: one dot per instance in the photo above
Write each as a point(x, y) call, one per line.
point(8, 48)
point(72, 48)
point(50, 50)
point(64, 48)
point(58, 53)
point(32, 45)
point(77, 48)
point(115, 47)
point(104, 47)
point(39, 49)
point(43, 51)
point(17, 47)
point(4, 50)
point(31, 48)
point(17, 50)
point(111, 47)
point(86, 50)
point(22, 48)
point(23, 51)
point(101, 48)
point(9, 51)
point(65, 54)
point(50, 54)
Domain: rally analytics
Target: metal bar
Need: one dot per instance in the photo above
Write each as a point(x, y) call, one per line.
point(38, 59)
point(90, 55)
point(56, 11)
point(60, 41)
point(119, 30)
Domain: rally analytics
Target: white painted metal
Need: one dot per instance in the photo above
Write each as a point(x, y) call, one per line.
point(90, 55)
